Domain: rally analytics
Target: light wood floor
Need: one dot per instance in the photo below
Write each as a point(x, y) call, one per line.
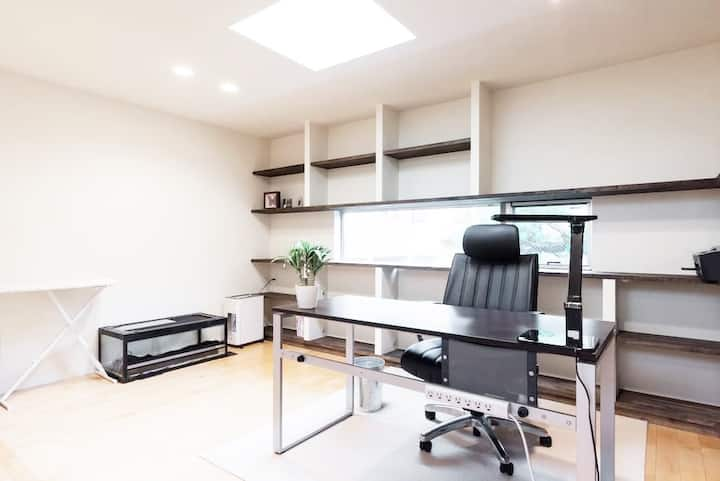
point(88, 429)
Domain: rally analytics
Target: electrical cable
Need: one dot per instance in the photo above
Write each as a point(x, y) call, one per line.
point(592, 430)
point(525, 446)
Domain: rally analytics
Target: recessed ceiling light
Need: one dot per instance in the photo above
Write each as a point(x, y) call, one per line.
point(229, 88)
point(321, 33)
point(183, 71)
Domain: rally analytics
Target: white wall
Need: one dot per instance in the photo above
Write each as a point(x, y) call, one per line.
point(650, 120)
point(351, 184)
point(437, 175)
point(284, 151)
point(94, 187)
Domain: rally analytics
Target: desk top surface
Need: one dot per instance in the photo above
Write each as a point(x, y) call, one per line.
point(480, 326)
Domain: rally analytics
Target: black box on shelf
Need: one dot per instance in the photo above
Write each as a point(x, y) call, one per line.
point(141, 349)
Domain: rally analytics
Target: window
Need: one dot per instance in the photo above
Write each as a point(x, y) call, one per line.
point(428, 236)
point(551, 240)
point(432, 236)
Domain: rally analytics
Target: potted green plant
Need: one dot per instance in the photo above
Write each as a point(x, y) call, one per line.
point(307, 260)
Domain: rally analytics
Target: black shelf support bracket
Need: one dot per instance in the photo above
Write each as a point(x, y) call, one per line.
point(573, 304)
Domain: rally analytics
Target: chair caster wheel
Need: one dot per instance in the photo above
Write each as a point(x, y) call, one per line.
point(426, 446)
point(545, 441)
point(430, 415)
point(476, 432)
point(507, 468)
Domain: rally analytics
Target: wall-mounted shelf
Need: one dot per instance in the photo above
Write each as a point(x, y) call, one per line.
point(349, 161)
point(436, 148)
point(278, 171)
point(670, 343)
point(528, 196)
point(621, 276)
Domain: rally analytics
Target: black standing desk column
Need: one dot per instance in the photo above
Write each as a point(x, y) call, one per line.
point(573, 304)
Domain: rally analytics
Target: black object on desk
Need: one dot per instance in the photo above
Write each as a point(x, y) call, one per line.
point(573, 304)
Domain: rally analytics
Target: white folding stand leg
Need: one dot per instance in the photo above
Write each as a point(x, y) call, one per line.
point(69, 323)
point(608, 395)
point(585, 422)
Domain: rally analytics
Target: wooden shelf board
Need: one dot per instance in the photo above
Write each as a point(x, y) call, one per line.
point(528, 196)
point(278, 171)
point(436, 148)
point(689, 416)
point(670, 343)
point(349, 161)
point(622, 276)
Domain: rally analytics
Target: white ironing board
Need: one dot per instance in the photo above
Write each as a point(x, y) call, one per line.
point(51, 288)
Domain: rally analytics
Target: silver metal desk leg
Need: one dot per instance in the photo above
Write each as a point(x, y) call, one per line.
point(608, 394)
point(350, 359)
point(277, 383)
point(585, 422)
point(278, 445)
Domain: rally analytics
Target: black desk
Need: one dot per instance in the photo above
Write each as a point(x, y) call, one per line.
point(479, 326)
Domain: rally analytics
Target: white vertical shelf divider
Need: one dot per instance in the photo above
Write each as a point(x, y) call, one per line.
point(386, 188)
point(315, 177)
point(315, 194)
point(480, 138)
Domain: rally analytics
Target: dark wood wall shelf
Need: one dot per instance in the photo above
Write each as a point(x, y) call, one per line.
point(349, 161)
point(621, 276)
point(278, 171)
point(528, 196)
point(436, 148)
point(670, 343)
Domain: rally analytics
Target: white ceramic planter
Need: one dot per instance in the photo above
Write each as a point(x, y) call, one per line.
point(307, 296)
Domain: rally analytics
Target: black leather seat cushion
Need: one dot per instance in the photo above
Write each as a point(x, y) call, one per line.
point(491, 274)
point(423, 359)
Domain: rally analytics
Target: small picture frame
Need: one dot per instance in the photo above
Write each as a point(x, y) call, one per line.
point(271, 200)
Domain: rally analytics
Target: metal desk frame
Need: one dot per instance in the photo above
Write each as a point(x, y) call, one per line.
point(584, 425)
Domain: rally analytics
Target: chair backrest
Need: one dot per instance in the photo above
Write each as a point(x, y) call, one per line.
point(492, 274)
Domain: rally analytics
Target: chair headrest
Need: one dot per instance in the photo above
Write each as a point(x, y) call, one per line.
point(492, 243)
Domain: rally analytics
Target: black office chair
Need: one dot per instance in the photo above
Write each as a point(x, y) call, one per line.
point(491, 274)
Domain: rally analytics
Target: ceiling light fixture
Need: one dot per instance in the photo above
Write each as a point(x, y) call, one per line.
point(321, 33)
point(183, 71)
point(229, 88)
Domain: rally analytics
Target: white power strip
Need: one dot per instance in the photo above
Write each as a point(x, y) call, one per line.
point(492, 407)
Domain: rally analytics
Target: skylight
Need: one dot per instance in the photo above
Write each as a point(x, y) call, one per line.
point(321, 33)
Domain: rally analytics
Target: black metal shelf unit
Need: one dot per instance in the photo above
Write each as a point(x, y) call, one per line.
point(141, 349)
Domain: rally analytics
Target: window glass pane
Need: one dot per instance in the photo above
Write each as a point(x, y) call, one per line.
point(551, 240)
point(413, 236)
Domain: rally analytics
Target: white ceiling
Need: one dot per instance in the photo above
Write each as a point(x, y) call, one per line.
point(126, 49)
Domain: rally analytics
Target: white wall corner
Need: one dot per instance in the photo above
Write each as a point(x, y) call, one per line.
point(315, 177)
point(480, 138)
point(386, 168)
